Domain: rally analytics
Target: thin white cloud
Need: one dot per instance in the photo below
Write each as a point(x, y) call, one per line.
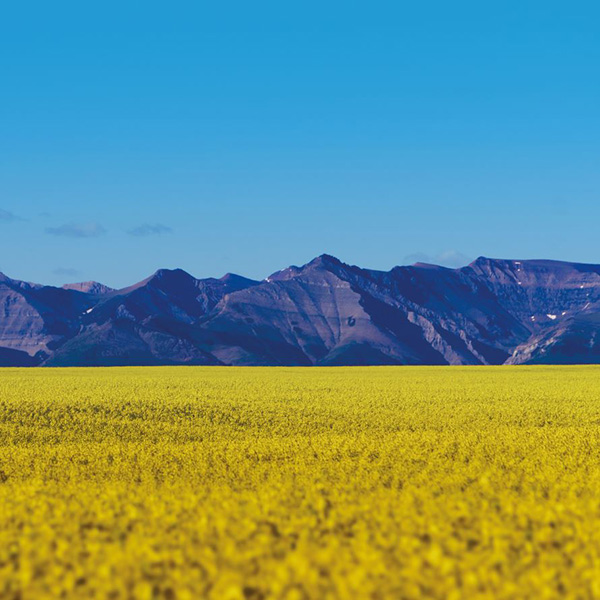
point(147, 229)
point(7, 217)
point(66, 272)
point(77, 230)
point(453, 258)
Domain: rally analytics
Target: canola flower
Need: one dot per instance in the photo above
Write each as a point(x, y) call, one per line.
point(293, 483)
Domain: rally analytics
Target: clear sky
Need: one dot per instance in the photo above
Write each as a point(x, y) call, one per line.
point(247, 136)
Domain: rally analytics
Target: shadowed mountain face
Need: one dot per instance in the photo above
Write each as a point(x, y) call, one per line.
point(324, 313)
point(34, 319)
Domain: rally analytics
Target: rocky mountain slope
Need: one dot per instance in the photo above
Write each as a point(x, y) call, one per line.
point(323, 313)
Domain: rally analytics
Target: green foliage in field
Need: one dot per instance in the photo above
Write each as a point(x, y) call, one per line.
point(232, 483)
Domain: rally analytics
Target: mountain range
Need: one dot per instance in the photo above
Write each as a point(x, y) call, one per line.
point(323, 313)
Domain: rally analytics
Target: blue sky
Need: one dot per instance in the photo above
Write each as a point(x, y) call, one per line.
point(237, 136)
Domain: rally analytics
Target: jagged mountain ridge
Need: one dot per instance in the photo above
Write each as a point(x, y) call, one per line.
point(324, 313)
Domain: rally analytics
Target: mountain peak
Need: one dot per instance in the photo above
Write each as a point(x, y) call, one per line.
point(161, 273)
point(325, 260)
point(89, 287)
point(481, 260)
point(173, 280)
point(160, 278)
point(233, 281)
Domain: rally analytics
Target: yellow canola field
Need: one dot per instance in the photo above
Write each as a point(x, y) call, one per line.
point(259, 483)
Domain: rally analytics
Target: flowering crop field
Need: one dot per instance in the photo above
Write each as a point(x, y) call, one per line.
point(256, 483)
